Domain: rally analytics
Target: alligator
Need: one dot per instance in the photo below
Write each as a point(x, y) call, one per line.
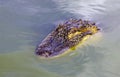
point(66, 35)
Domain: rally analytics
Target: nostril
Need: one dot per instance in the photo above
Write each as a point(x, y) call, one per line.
point(38, 53)
point(44, 53)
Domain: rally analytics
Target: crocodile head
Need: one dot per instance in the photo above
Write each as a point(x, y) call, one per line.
point(65, 36)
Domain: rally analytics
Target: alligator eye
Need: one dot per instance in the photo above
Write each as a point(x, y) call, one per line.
point(98, 29)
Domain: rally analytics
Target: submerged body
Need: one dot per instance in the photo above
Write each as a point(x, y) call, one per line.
point(65, 36)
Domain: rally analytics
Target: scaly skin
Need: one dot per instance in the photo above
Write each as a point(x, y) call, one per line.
point(65, 36)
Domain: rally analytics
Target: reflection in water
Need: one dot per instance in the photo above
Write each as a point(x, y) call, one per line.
point(23, 24)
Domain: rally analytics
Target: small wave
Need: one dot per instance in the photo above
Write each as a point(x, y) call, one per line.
point(84, 8)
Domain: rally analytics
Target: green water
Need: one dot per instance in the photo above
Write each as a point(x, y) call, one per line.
point(21, 64)
point(25, 23)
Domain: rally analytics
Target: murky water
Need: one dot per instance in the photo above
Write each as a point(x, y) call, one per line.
point(25, 23)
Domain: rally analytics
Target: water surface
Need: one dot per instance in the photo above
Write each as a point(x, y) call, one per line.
point(25, 23)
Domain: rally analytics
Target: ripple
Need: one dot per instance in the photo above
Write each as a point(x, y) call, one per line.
point(87, 9)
